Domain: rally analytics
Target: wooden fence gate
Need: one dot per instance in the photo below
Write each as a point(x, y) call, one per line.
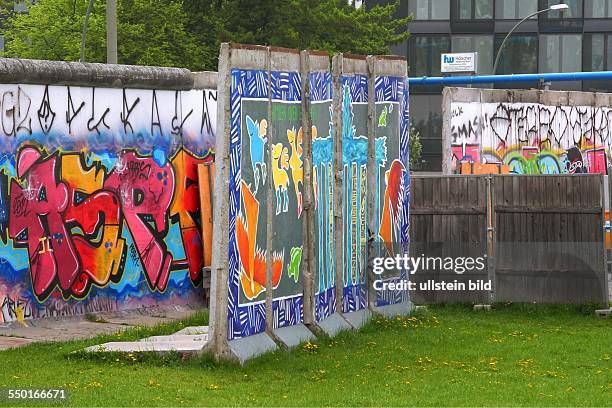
point(542, 237)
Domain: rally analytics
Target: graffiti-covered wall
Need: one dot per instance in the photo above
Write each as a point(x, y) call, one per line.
point(529, 133)
point(354, 102)
point(323, 186)
point(391, 210)
point(266, 148)
point(99, 205)
point(297, 251)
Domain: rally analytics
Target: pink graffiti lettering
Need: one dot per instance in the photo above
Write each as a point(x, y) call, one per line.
point(36, 214)
point(146, 191)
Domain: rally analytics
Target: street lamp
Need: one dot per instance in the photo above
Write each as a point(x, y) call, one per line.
point(561, 6)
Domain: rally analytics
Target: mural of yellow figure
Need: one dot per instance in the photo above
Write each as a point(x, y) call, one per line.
point(280, 165)
point(295, 162)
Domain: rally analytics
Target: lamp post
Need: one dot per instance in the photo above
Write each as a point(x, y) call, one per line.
point(561, 6)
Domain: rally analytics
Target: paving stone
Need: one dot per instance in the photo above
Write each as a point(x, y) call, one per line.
point(13, 342)
point(61, 331)
point(151, 316)
point(64, 328)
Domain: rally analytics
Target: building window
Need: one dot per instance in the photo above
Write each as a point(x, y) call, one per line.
point(574, 11)
point(598, 52)
point(515, 9)
point(598, 9)
point(482, 44)
point(475, 9)
point(425, 53)
point(429, 9)
point(560, 52)
point(426, 116)
point(520, 54)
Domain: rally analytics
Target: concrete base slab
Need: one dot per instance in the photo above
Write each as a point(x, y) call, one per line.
point(191, 330)
point(251, 347)
point(604, 312)
point(148, 346)
point(333, 325)
point(399, 309)
point(179, 337)
point(293, 336)
point(359, 318)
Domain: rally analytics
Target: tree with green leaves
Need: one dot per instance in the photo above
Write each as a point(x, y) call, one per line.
point(151, 32)
point(187, 33)
point(328, 25)
point(415, 148)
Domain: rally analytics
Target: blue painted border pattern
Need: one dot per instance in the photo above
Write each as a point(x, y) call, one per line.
point(286, 86)
point(320, 86)
point(246, 320)
point(395, 89)
point(358, 85)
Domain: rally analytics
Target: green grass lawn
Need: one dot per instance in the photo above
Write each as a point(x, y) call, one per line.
point(447, 356)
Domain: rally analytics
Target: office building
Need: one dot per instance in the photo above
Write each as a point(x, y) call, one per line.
point(579, 39)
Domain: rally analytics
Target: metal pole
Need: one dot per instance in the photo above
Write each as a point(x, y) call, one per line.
point(111, 31)
point(491, 235)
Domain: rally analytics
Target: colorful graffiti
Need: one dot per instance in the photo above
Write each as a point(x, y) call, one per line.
point(280, 165)
point(354, 150)
point(278, 105)
point(392, 180)
point(258, 140)
point(295, 162)
point(531, 138)
point(248, 203)
point(99, 208)
point(354, 194)
point(252, 257)
point(323, 187)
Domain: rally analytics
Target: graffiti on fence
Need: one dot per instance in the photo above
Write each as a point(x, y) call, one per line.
point(532, 138)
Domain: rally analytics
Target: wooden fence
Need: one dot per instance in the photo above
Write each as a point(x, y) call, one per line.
point(542, 235)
